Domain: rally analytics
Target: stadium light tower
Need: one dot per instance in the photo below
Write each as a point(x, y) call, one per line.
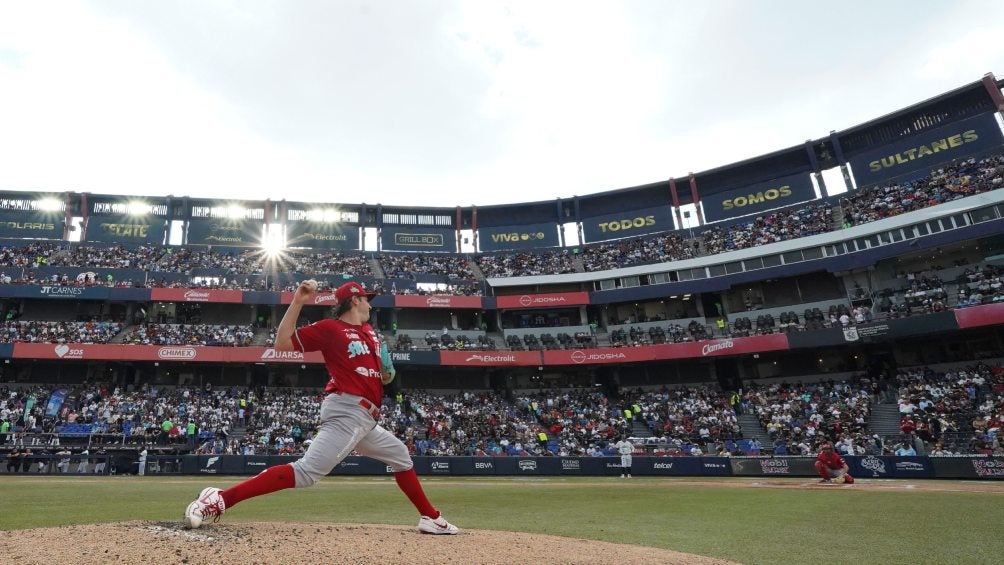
point(49, 205)
point(138, 208)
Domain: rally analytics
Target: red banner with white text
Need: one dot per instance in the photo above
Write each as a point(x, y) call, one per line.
point(436, 301)
point(195, 295)
point(556, 300)
point(489, 358)
point(721, 347)
point(687, 350)
point(319, 299)
point(177, 353)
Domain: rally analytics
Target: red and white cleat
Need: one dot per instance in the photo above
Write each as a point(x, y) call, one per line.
point(209, 505)
point(439, 526)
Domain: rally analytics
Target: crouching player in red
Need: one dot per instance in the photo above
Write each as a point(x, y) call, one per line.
point(831, 466)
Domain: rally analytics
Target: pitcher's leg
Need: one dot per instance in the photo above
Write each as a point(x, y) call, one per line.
point(384, 446)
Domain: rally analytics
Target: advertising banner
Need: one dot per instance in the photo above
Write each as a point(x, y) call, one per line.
point(195, 295)
point(919, 154)
point(60, 292)
point(355, 465)
point(976, 316)
point(126, 229)
point(968, 467)
point(30, 225)
point(183, 353)
point(483, 465)
point(489, 358)
point(436, 301)
point(414, 357)
point(6, 350)
point(541, 300)
point(721, 347)
point(774, 466)
point(224, 232)
point(901, 327)
point(269, 355)
point(599, 356)
point(530, 236)
point(759, 197)
point(325, 298)
point(890, 467)
point(666, 466)
point(628, 224)
point(418, 239)
point(322, 235)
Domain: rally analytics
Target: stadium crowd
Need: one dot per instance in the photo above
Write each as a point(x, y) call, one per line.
point(406, 265)
point(190, 334)
point(954, 181)
point(32, 331)
point(521, 264)
point(782, 225)
point(948, 183)
point(640, 251)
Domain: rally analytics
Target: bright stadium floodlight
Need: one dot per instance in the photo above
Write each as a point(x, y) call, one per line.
point(235, 211)
point(272, 244)
point(326, 215)
point(49, 204)
point(137, 208)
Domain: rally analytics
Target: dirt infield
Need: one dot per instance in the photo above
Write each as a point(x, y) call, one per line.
point(268, 543)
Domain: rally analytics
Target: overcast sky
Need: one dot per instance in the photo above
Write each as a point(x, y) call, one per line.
point(451, 103)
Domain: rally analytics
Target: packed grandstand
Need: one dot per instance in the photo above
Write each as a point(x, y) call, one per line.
point(869, 319)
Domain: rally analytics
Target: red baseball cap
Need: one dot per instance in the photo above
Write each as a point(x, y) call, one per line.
point(350, 289)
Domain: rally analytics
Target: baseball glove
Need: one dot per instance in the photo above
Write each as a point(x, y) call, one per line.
point(839, 480)
point(387, 371)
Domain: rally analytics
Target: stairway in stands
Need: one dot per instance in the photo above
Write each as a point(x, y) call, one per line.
point(640, 429)
point(377, 269)
point(261, 336)
point(578, 263)
point(120, 337)
point(752, 429)
point(884, 420)
point(475, 268)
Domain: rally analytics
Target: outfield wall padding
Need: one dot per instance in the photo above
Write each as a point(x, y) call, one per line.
point(962, 467)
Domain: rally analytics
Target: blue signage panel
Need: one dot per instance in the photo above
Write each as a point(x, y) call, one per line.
point(415, 357)
point(129, 294)
point(60, 292)
point(126, 229)
point(759, 197)
point(530, 236)
point(224, 232)
point(919, 154)
point(6, 350)
point(886, 466)
point(627, 224)
point(322, 235)
point(418, 239)
point(32, 225)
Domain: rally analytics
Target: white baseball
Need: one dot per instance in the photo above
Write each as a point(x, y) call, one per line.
point(311, 285)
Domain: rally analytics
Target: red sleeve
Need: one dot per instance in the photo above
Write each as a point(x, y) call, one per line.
point(314, 336)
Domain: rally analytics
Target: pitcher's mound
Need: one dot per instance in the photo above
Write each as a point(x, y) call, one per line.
point(299, 544)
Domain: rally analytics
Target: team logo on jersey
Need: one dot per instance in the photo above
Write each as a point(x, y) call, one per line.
point(351, 334)
point(357, 348)
point(368, 372)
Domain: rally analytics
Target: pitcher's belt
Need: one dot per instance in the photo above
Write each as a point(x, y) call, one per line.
point(368, 406)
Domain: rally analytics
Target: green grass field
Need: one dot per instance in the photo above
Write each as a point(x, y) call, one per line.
point(750, 525)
